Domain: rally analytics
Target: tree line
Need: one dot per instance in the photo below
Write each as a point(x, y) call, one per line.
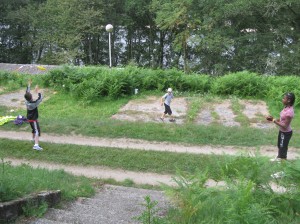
point(203, 36)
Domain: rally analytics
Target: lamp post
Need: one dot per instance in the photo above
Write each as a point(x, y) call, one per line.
point(109, 29)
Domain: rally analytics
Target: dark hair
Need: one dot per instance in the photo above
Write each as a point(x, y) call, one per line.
point(28, 96)
point(291, 97)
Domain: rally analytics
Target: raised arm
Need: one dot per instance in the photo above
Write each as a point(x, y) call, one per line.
point(28, 85)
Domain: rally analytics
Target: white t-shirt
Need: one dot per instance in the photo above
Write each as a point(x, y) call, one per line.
point(168, 98)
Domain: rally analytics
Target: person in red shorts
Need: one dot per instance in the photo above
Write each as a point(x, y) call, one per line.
point(33, 114)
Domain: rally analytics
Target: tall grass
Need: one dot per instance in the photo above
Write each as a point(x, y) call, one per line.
point(246, 197)
point(22, 180)
point(91, 83)
point(127, 159)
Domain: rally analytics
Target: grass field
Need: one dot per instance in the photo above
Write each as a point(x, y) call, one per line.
point(63, 114)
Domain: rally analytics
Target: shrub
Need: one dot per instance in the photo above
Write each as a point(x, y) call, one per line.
point(241, 84)
point(91, 83)
point(278, 85)
point(247, 196)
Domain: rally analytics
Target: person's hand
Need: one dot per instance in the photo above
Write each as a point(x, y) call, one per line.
point(37, 89)
point(161, 104)
point(269, 118)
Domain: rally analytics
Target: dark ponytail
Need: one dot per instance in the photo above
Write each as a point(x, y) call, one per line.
point(291, 97)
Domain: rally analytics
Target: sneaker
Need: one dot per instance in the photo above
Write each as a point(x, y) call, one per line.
point(37, 147)
point(278, 175)
point(172, 120)
point(161, 119)
point(276, 160)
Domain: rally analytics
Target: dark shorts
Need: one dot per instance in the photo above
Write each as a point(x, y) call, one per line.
point(168, 109)
point(283, 143)
point(35, 128)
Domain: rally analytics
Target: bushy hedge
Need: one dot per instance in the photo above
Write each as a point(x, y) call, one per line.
point(241, 84)
point(90, 83)
point(12, 81)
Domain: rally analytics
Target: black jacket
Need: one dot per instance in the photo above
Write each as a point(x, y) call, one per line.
point(32, 106)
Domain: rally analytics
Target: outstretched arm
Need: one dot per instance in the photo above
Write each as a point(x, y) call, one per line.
point(28, 85)
point(40, 98)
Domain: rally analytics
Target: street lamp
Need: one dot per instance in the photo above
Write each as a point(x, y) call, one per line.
point(109, 29)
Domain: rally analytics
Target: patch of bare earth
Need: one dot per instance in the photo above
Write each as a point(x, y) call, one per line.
point(16, 99)
point(150, 110)
point(254, 110)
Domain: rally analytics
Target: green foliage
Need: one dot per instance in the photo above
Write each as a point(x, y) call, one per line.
point(91, 83)
point(12, 81)
point(278, 86)
point(195, 83)
point(149, 215)
point(33, 180)
point(134, 160)
point(244, 197)
point(241, 84)
point(205, 36)
point(32, 209)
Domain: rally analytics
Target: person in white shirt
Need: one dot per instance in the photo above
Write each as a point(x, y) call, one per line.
point(166, 101)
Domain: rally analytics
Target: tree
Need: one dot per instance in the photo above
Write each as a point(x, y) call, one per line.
point(16, 31)
point(68, 29)
point(177, 16)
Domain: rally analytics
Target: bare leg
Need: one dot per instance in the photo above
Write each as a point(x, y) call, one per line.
point(36, 140)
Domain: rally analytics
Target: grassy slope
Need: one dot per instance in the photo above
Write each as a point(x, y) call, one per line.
point(63, 114)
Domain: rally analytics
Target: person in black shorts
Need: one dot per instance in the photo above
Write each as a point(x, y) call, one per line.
point(166, 101)
point(284, 124)
point(33, 114)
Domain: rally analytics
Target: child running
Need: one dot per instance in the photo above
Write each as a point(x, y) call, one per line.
point(33, 114)
point(284, 124)
point(166, 100)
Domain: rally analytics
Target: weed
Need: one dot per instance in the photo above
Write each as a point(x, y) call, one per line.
point(149, 215)
point(34, 209)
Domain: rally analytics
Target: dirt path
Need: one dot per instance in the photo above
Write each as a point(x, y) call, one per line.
point(125, 143)
point(98, 172)
point(122, 143)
